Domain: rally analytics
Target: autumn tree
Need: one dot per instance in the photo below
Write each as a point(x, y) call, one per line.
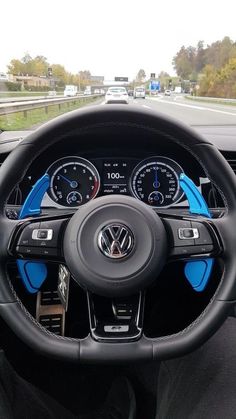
point(16, 67)
point(219, 83)
point(200, 57)
point(183, 61)
point(140, 78)
point(211, 66)
point(59, 72)
point(163, 74)
point(220, 52)
point(29, 66)
point(38, 66)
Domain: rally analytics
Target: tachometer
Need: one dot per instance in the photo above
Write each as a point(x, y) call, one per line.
point(74, 181)
point(155, 181)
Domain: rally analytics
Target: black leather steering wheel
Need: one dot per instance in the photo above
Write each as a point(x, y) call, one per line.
point(150, 247)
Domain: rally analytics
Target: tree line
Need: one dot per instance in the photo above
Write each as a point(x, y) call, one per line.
point(40, 67)
point(211, 67)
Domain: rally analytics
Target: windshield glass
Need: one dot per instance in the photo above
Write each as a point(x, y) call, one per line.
point(184, 59)
point(117, 90)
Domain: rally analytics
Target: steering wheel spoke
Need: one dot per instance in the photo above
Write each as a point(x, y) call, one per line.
point(121, 319)
point(39, 238)
point(192, 237)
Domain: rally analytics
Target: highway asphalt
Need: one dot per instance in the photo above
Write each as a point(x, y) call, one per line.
point(189, 111)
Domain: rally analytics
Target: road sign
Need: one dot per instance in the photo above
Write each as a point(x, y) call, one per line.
point(154, 85)
point(153, 75)
point(122, 79)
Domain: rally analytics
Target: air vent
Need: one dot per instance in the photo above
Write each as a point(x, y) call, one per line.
point(214, 198)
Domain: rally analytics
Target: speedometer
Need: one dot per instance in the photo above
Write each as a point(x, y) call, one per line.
point(155, 181)
point(74, 181)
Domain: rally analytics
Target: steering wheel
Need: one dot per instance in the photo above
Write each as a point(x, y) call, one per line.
point(82, 243)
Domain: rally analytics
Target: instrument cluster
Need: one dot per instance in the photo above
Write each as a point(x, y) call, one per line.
point(76, 180)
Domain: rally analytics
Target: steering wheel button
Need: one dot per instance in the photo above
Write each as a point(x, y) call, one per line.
point(25, 238)
point(174, 227)
point(188, 233)
point(40, 234)
point(54, 226)
point(204, 235)
point(191, 250)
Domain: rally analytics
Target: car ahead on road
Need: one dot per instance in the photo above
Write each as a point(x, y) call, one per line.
point(52, 93)
point(130, 92)
point(70, 90)
point(88, 90)
point(116, 94)
point(139, 92)
point(167, 92)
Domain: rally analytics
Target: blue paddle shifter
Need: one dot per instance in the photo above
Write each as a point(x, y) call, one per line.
point(197, 272)
point(33, 274)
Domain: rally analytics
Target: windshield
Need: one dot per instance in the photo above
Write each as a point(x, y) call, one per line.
point(184, 58)
point(117, 90)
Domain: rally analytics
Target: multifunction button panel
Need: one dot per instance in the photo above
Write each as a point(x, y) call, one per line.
point(40, 239)
point(188, 237)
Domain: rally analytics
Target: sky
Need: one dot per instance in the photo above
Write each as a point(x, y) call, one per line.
point(109, 37)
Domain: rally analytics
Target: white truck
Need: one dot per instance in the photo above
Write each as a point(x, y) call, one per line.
point(70, 90)
point(178, 89)
point(88, 90)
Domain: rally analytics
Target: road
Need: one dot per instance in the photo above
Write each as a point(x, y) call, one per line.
point(189, 111)
point(177, 106)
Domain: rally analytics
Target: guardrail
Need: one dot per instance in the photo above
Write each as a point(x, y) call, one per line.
point(25, 106)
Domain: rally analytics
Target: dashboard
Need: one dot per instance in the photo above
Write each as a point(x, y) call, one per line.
point(95, 164)
point(75, 180)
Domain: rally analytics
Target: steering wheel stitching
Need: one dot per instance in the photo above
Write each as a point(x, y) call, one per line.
point(134, 272)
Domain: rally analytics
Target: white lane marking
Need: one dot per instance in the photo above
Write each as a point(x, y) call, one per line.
point(146, 106)
point(103, 103)
point(200, 108)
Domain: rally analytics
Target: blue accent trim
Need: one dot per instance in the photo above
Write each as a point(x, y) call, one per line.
point(197, 272)
point(33, 274)
point(197, 204)
point(34, 199)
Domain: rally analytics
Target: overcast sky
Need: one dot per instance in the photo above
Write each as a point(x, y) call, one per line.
point(110, 37)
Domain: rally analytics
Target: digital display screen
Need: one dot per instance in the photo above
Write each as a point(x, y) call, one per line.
point(115, 177)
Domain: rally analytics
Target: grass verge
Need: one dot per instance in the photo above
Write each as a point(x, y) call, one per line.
point(216, 101)
point(23, 94)
point(18, 121)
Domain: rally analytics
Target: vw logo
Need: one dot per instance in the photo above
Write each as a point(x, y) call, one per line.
point(115, 241)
